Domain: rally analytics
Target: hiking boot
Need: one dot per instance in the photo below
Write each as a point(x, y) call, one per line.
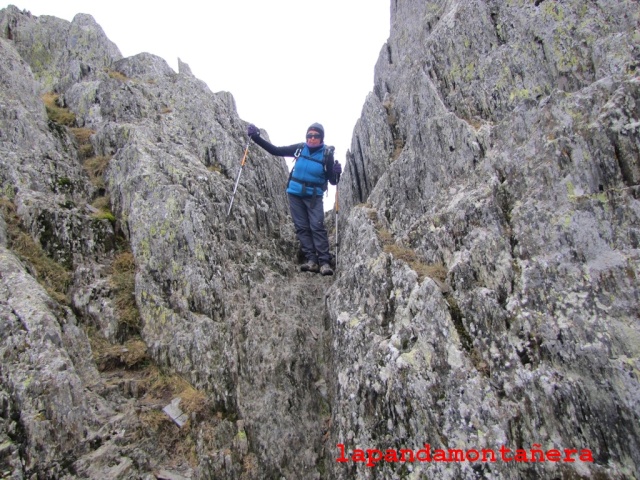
point(325, 269)
point(309, 267)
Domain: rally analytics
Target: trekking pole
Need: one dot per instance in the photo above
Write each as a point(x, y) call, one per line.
point(244, 159)
point(337, 208)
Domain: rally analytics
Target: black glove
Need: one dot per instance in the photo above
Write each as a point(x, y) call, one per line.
point(337, 168)
point(252, 131)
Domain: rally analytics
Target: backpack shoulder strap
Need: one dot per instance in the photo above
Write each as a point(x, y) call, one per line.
point(298, 152)
point(296, 155)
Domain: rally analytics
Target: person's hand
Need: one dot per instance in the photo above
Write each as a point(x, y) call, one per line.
point(252, 131)
point(337, 168)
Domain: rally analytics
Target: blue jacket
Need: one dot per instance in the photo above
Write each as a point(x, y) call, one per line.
point(308, 177)
point(306, 170)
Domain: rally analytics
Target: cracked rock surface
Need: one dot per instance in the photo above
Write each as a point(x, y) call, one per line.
point(487, 288)
point(492, 190)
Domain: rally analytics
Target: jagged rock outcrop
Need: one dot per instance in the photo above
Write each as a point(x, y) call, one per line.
point(491, 295)
point(487, 291)
point(127, 160)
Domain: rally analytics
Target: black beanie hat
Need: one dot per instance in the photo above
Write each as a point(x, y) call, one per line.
point(318, 128)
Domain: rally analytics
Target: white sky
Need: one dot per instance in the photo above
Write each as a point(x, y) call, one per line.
point(287, 63)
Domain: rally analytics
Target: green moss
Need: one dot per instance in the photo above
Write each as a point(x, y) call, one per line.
point(144, 249)
point(200, 254)
point(65, 184)
point(469, 72)
point(571, 190)
point(505, 78)
point(40, 57)
point(105, 215)
point(325, 408)
point(8, 191)
point(519, 94)
point(410, 357)
point(455, 72)
point(103, 204)
point(526, 93)
point(67, 204)
point(602, 198)
point(574, 197)
point(553, 10)
point(500, 32)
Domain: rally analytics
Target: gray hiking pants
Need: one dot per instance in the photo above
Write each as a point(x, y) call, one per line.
point(308, 217)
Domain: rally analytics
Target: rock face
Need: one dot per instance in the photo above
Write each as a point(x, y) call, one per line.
point(146, 165)
point(487, 295)
point(493, 240)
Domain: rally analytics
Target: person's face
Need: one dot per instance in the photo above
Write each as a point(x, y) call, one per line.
point(313, 138)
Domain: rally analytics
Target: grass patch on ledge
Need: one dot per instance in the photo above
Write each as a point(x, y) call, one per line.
point(57, 113)
point(53, 276)
point(123, 282)
point(435, 271)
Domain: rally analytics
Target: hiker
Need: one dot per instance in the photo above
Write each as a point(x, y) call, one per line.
point(314, 166)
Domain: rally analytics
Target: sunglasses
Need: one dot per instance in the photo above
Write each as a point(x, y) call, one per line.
point(313, 135)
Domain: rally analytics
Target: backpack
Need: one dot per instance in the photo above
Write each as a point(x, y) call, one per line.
point(327, 161)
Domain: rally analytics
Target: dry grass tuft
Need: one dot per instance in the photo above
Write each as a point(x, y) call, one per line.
point(123, 271)
point(131, 355)
point(437, 272)
point(52, 275)
point(103, 205)
point(194, 401)
point(83, 136)
point(57, 113)
point(96, 167)
point(117, 75)
point(167, 387)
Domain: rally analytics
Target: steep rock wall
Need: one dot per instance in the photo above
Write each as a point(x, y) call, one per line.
point(146, 163)
point(491, 252)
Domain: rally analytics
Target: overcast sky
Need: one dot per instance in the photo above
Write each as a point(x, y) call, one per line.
point(288, 63)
